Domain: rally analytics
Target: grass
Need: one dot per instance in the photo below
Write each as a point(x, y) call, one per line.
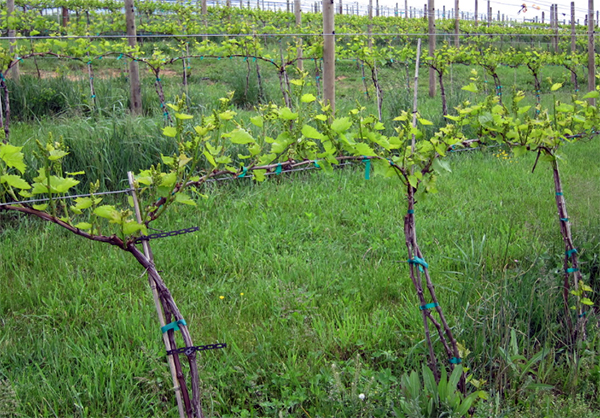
point(317, 304)
point(304, 277)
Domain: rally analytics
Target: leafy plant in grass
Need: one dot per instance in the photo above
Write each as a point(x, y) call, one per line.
point(432, 398)
point(544, 134)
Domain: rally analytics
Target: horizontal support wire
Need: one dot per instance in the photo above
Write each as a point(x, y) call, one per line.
point(275, 35)
point(360, 160)
point(47, 199)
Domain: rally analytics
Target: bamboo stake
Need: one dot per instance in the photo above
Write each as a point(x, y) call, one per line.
point(416, 91)
point(157, 304)
point(329, 54)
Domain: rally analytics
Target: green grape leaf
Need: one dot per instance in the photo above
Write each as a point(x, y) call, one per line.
point(310, 132)
point(240, 136)
point(83, 225)
point(108, 212)
point(170, 131)
point(15, 181)
point(341, 125)
point(257, 121)
point(308, 98)
point(12, 156)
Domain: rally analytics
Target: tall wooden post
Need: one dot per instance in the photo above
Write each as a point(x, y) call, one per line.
point(456, 24)
point(64, 16)
point(405, 8)
point(298, 13)
point(329, 54)
point(489, 13)
point(370, 25)
point(134, 69)
point(591, 51)
point(10, 9)
point(341, 8)
point(476, 13)
point(573, 43)
point(431, 37)
point(556, 48)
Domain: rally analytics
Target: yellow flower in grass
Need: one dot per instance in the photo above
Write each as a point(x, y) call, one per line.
point(221, 297)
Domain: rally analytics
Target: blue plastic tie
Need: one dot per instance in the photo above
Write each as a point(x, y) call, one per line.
point(420, 262)
point(278, 169)
point(316, 164)
point(244, 171)
point(572, 270)
point(173, 326)
point(564, 219)
point(581, 315)
point(158, 79)
point(93, 96)
point(120, 56)
point(429, 306)
point(410, 211)
point(367, 168)
point(455, 360)
point(559, 193)
point(573, 251)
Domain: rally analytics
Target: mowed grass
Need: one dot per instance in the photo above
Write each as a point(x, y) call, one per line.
point(305, 278)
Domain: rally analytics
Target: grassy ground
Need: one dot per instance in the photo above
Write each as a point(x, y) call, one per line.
point(298, 275)
point(304, 277)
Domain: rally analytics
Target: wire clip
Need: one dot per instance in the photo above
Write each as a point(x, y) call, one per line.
point(188, 351)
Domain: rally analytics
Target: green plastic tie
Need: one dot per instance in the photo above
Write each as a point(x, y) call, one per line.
point(429, 306)
point(244, 171)
point(420, 262)
point(559, 193)
point(572, 270)
point(173, 326)
point(581, 315)
point(455, 360)
point(93, 96)
point(570, 252)
point(158, 79)
point(120, 56)
point(316, 163)
point(410, 211)
point(367, 168)
point(278, 169)
point(564, 219)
